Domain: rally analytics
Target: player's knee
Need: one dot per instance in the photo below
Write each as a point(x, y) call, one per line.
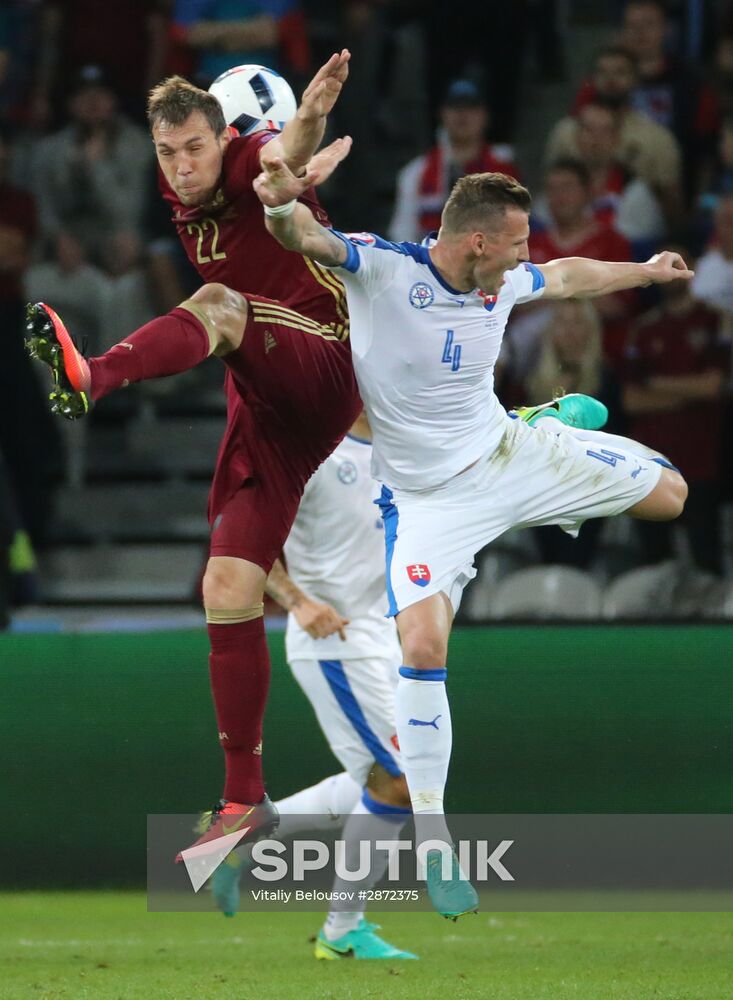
point(674, 495)
point(226, 586)
point(215, 294)
point(399, 792)
point(219, 587)
point(391, 789)
point(666, 501)
point(225, 312)
point(679, 490)
point(424, 650)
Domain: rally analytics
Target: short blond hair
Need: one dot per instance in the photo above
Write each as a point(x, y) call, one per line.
point(175, 100)
point(480, 201)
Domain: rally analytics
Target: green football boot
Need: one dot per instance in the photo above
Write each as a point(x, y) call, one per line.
point(48, 340)
point(363, 942)
point(451, 897)
point(575, 410)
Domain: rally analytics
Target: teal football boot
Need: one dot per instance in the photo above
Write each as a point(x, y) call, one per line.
point(362, 942)
point(225, 884)
point(574, 410)
point(451, 897)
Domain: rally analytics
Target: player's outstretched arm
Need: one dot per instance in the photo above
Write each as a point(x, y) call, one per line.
point(317, 618)
point(291, 223)
point(302, 136)
point(582, 278)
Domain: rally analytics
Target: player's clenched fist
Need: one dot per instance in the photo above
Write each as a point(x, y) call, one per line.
point(667, 266)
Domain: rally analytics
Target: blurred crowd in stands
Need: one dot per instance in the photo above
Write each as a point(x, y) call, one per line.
point(641, 158)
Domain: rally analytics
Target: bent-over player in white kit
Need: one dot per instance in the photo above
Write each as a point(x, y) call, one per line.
point(345, 655)
point(426, 327)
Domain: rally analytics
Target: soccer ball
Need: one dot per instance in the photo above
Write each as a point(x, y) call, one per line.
point(254, 98)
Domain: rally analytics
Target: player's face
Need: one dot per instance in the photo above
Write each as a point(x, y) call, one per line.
point(190, 156)
point(501, 250)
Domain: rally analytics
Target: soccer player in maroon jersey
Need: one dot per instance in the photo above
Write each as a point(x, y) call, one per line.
point(291, 391)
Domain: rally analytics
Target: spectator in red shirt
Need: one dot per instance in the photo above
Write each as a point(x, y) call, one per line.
point(647, 149)
point(619, 198)
point(677, 364)
point(574, 230)
point(423, 185)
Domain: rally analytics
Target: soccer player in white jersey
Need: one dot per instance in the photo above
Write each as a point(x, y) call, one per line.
point(426, 326)
point(345, 655)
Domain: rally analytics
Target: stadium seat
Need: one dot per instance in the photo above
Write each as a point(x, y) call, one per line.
point(155, 512)
point(547, 592)
point(719, 603)
point(184, 447)
point(512, 551)
point(648, 592)
point(103, 574)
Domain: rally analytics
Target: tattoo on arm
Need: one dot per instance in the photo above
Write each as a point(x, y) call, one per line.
point(281, 588)
point(301, 232)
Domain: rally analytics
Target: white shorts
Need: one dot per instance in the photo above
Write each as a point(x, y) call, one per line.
point(533, 477)
point(354, 703)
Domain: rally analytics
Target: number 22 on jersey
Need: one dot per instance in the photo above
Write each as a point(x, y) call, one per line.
point(202, 230)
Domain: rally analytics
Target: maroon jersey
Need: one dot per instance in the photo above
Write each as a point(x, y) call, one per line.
point(227, 241)
point(290, 386)
point(688, 343)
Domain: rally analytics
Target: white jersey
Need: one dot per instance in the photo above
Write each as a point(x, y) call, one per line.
point(424, 356)
point(335, 553)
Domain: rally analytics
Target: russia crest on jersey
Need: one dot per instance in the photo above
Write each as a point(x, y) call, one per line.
point(419, 573)
point(363, 239)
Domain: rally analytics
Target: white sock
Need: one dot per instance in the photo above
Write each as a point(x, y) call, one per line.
point(602, 438)
point(382, 823)
point(426, 738)
point(331, 800)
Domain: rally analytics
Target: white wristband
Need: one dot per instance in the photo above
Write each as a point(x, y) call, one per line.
point(281, 210)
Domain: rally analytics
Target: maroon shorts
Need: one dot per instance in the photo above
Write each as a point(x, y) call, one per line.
point(291, 397)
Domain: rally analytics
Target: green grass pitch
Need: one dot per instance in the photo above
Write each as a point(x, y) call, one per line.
point(106, 946)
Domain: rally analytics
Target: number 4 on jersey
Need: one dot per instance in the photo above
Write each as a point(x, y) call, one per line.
point(451, 352)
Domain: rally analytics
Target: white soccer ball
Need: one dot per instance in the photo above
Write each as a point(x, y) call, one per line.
point(254, 98)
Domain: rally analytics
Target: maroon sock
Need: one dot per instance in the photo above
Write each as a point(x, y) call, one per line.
point(239, 667)
point(165, 346)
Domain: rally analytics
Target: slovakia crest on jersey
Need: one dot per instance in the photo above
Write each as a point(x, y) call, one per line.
point(421, 295)
point(489, 300)
point(419, 573)
point(363, 239)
